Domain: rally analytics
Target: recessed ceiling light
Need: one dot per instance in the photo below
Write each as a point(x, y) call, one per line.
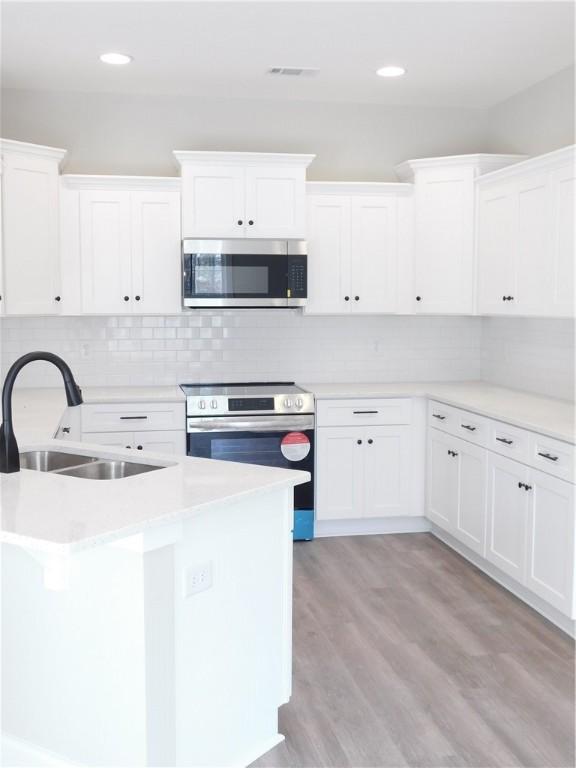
point(115, 58)
point(391, 71)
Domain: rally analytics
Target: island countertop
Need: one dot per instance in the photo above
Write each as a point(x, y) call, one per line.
point(59, 514)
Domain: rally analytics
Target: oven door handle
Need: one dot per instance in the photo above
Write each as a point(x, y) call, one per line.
point(296, 423)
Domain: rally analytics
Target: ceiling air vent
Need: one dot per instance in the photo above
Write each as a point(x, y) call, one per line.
point(293, 71)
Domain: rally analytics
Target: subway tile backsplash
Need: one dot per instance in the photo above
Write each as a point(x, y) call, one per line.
point(247, 345)
point(534, 354)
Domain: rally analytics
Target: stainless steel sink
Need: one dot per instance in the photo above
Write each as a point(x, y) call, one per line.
point(109, 470)
point(50, 461)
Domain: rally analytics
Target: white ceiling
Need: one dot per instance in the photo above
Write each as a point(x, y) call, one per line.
point(456, 53)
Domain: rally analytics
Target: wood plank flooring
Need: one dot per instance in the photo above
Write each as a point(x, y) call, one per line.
point(407, 655)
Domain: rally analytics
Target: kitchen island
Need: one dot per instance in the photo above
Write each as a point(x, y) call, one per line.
point(146, 620)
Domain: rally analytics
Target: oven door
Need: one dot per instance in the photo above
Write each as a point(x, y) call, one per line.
point(270, 441)
point(242, 273)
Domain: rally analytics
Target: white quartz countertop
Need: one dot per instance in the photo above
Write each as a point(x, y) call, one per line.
point(546, 415)
point(57, 514)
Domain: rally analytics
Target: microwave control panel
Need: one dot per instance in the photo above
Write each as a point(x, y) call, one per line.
point(297, 281)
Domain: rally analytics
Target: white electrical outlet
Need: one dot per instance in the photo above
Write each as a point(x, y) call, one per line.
point(197, 578)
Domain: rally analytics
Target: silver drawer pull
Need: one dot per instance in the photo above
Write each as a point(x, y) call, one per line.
point(468, 427)
point(548, 456)
point(359, 412)
point(438, 416)
point(504, 440)
point(132, 418)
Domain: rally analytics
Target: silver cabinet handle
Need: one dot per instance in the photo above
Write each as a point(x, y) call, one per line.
point(438, 416)
point(360, 412)
point(504, 440)
point(468, 427)
point(548, 456)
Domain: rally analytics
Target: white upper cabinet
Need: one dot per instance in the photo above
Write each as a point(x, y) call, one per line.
point(444, 214)
point(31, 228)
point(353, 247)
point(124, 235)
point(243, 194)
point(525, 246)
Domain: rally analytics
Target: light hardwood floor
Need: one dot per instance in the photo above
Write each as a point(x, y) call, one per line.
point(407, 655)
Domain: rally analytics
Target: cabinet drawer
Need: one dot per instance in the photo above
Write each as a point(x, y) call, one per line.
point(509, 441)
point(552, 456)
point(469, 426)
point(115, 417)
point(350, 413)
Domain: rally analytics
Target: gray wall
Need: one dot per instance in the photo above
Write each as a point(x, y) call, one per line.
point(107, 133)
point(536, 120)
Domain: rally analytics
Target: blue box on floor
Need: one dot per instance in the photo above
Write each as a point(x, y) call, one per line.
point(303, 524)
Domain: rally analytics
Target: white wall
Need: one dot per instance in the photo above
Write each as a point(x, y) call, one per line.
point(245, 346)
point(536, 120)
point(106, 133)
point(536, 355)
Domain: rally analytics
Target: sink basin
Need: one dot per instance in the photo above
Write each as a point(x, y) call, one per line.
point(50, 461)
point(109, 470)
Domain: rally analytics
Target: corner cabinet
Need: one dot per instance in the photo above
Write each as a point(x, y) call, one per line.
point(444, 215)
point(122, 244)
point(243, 194)
point(30, 222)
point(525, 238)
point(356, 233)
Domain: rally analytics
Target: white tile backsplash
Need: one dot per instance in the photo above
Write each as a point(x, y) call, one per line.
point(533, 354)
point(246, 345)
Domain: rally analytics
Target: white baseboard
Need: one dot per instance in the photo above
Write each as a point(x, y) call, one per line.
point(16, 753)
point(371, 525)
point(541, 606)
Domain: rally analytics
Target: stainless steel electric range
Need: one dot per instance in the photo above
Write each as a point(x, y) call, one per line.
point(270, 423)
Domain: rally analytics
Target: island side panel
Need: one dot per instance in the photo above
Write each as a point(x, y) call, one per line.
point(233, 640)
point(73, 661)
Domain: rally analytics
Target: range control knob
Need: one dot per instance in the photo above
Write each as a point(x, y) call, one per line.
point(214, 404)
point(299, 403)
point(201, 404)
point(287, 403)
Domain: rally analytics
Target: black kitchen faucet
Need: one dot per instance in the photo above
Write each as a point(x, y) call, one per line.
point(9, 454)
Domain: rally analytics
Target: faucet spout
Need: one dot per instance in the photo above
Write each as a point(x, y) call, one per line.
point(9, 454)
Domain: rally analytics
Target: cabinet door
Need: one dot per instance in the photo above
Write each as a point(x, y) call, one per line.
point(550, 571)
point(213, 201)
point(443, 275)
point(156, 252)
point(105, 252)
point(110, 439)
point(275, 202)
point(534, 269)
point(31, 244)
point(339, 473)
point(173, 442)
point(442, 480)
point(328, 254)
point(374, 258)
point(562, 186)
point(507, 516)
point(470, 524)
point(386, 471)
point(497, 247)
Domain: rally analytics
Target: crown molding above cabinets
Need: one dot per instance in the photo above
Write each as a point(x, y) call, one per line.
point(525, 237)
point(243, 194)
point(444, 215)
point(9, 146)
point(130, 183)
point(358, 188)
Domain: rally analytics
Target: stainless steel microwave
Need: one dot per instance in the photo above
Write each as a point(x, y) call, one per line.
point(244, 273)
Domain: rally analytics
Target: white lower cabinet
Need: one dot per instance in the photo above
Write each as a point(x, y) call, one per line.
point(550, 556)
point(363, 472)
point(457, 488)
point(164, 441)
point(519, 518)
point(507, 515)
